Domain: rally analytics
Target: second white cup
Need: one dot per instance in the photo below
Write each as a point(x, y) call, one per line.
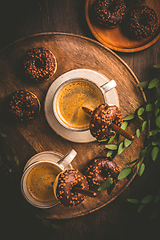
point(39, 175)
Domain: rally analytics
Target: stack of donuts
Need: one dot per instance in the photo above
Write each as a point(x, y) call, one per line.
point(142, 21)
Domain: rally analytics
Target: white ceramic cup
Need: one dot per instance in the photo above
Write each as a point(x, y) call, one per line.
point(61, 164)
point(101, 89)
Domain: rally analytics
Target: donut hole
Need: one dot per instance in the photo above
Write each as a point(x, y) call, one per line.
point(143, 20)
point(39, 63)
point(104, 173)
point(111, 7)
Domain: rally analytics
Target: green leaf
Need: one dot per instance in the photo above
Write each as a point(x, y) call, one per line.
point(124, 173)
point(156, 112)
point(140, 117)
point(111, 146)
point(143, 84)
point(109, 153)
point(152, 133)
point(103, 140)
point(129, 117)
point(127, 142)
point(133, 200)
point(144, 124)
point(138, 133)
point(154, 83)
point(157, 198)
point(155, 143)
point(149, 107)
point(121, 148)
point(124, 125)
point(106, 184)
point(156, 65)
point(157, 103)
point(140, 111)
point(140, 208)
point(130, 163)
point(142, 153)
point(141, 169)
point(154, 153)
point(158, 121)
point(147, 199)
point(16, 160)
point(111, 139)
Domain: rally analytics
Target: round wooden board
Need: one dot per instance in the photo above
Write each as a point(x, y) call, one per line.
point(72, 52)
point(116, 38)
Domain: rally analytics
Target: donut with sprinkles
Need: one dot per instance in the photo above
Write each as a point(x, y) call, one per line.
point(109, 13)
point(142, 22)
point(98, 170)
point(23, 105)
point(101, 119)
point(39, 64)
point(64, 187)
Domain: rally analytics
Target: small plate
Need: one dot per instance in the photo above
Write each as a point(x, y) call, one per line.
point(83, 136)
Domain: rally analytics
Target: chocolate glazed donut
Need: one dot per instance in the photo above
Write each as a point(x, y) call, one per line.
point(39, 64)
point(101, 120)
point(100, 169)
point(64, 187)
point(142, 22)
point(109, 13)
point(22, 105)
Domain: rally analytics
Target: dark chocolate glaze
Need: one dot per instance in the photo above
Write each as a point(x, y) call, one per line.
point(101, 120)
point(65, 192)
point(133, 2)
point(110, 13)
point(100, 169)
point(142, 22)
point(39, 64)
point(23, 105)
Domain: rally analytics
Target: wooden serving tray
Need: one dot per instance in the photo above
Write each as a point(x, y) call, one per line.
point(28, 138)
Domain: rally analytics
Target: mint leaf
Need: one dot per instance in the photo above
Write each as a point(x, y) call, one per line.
point(154, 83)
point(111, 146)
point(124, 173)
point(133, 200)
point(106, 184)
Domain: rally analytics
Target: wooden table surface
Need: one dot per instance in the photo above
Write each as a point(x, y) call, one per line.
point(119, 219)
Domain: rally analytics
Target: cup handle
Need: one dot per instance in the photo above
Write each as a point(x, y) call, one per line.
point(108, 86)
point(66, 159)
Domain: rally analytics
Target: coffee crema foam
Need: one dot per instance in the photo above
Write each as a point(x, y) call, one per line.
point(72, 97)
point(40, 182)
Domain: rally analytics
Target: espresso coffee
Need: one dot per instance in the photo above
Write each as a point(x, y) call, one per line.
point(40, 181)
point(72, 97)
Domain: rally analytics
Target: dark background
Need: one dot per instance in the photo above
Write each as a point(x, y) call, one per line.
point(119, 219)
